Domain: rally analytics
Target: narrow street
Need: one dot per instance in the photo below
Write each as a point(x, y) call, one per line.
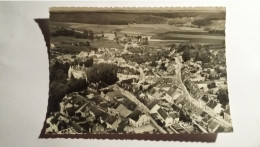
point(141, 106)
point(187, 95)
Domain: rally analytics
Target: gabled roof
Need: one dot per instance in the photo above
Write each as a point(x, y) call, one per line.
point(162, 113)
point(111, 119)
point(172, 91)
point(114, 94)
point(203, 114)
point(155, 115)
point(213, 125)
point(128, 81)
point(71, 111)
point(205, 99)
point(220, 129)
point(77, 127)
point(175, 107)
point(149, 73)
point(95, 110)
point(151, 104)
point(104, 116)
point(82, 107)
point(174, 115)
point(206, 118)
point(212, 104)
point(122, 125)
point(55, 119)
point(227, 111)
point(156, 94)
point(123, 111)
point(135, 115)
point(130, 105)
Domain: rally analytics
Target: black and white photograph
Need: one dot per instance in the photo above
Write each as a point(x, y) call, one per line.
point(137, 70)
point(130, 73)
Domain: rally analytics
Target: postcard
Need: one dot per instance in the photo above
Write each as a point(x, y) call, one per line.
point(137, 71)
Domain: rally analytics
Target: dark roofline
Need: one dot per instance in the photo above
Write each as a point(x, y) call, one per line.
point(162, 113)
point(135, 115)
point(151, 105)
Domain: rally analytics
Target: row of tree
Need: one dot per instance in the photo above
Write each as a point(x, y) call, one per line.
point(198, 55)
point(87, 63)
point(87, 34)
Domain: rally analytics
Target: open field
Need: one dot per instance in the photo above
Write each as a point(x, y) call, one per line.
point(159, 32)
point(169, 36)
point(148, 29)
point(94, 44)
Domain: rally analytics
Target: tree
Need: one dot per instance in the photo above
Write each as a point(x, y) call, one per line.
point(201, 22)
point(102, 33)
point(211, 85)
point(186, 55)
point(182, 47)
point(87, 43)
point(89, 62)
point(205, 57)
point(223, 96)
point(85, 34)
point(103, 72)
point(77, 85)
point(172, 47)
point(163, 67)
point(57, 91)
point(58, 72)
point(91, 35)
point(153, 64)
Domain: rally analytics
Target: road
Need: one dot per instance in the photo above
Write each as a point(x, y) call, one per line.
point(141, 106)
point(187, 95)
point(142, 76)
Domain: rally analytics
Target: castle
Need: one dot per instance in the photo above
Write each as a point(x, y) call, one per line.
point(77, 72)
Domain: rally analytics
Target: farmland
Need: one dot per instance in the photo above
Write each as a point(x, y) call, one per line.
point(156, 31)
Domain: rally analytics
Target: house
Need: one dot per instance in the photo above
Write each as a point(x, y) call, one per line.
point(153, 106)
point(206, 118)
point(174, 93)
point(149, 73)
point(103, 117)
point(138, 119)
point(51, 126)
point(95, 111)
point(213, 126)
point(175, 108)
point(181, 101)
point(82, 110)
point(64, 104)
point(112, 122)
point(77, 128)
point(227, 116)
point(112, 110)
point(164, 117)
point(175, 116)
point(214, 106)
point(167, 97)
point(113, 95)
point(97, 128)
point(123, 111)
point(203, 101)
point(122, 126)
point(203, 86)
point(67, 131)
point(157, 95)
